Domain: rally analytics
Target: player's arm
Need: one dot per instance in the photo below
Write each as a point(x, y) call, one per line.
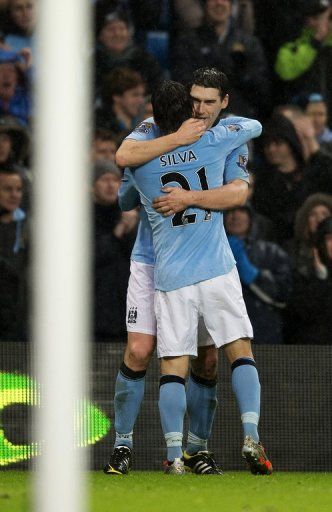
point(134, 152)
point(222, 198)
point(238, 130)
point(233, 193)
point(128, 195)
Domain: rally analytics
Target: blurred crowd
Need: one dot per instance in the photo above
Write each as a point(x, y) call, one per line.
point(278, 57)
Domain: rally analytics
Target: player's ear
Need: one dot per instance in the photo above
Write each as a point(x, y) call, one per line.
point(225, 101)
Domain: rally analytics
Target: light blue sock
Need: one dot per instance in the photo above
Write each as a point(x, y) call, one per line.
point(247, 389)
point(201, 407)
point(129, 393)
point(172, 407)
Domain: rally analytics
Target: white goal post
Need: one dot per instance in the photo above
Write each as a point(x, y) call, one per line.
point(61, 247)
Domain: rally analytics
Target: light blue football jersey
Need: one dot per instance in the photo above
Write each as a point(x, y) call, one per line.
point(235, 168)
point(129, 198)
point(191, 246)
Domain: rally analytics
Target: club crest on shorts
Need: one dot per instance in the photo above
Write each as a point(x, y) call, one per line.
point(132, 315)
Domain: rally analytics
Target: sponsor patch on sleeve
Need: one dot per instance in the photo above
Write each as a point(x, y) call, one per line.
point(234, 127)
point(242, 163)
point(143, 128)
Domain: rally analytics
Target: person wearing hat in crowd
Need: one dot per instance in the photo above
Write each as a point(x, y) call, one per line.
point(265, 272)
point(114, 234)
point(309, 313)
point(15, 79)
point(304, 65)
point(13, 257)
point(115, 49)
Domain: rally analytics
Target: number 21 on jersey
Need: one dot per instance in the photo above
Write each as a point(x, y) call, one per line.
point(182, 218)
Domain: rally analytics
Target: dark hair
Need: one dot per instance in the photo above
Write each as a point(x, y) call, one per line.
point(118, 81)
point(210, 77)
point(315, 7)
point(105, 135)
point(11, 169)
point(324, 228)
point(280, 128)
point(171, 105)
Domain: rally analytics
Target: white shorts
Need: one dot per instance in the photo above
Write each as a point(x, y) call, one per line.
point(181, 314)
point(140, 299)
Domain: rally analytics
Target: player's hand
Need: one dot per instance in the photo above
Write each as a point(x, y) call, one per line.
point(190, 131)
point(175, 200)
point(306, 133)
point(127, 223)
point(318, 264)
point(26, 63)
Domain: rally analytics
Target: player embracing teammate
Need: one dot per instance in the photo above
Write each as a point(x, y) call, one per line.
point(189, 274)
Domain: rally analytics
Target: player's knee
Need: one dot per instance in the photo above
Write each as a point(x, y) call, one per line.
point(138, 355)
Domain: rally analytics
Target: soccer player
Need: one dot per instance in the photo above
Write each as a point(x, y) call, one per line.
point(208, 108)
point(141, 326)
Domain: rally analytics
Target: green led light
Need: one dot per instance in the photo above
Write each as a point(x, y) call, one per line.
point(91, 424)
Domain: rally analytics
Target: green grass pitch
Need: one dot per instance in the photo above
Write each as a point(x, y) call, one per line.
point(156, 492)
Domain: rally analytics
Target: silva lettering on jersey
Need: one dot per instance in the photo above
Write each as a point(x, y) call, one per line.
point(177, 158)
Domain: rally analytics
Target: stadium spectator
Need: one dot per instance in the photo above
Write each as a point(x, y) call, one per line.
point(104, 145)
point(21, 25)
point(188, 12)
point(217, 43)
point(314, 209)
point(115, 49)
point(310, 309)
point(121, 102)
point(13, 257)
point(14, 142)
point(265, 273)
point(113, 239)
point(316, 108)
point(279, 186)
point(14, 152)
point(15, 75)
point(286, 177)
point(318, 162)
point(304, 65)
point(303, 126)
